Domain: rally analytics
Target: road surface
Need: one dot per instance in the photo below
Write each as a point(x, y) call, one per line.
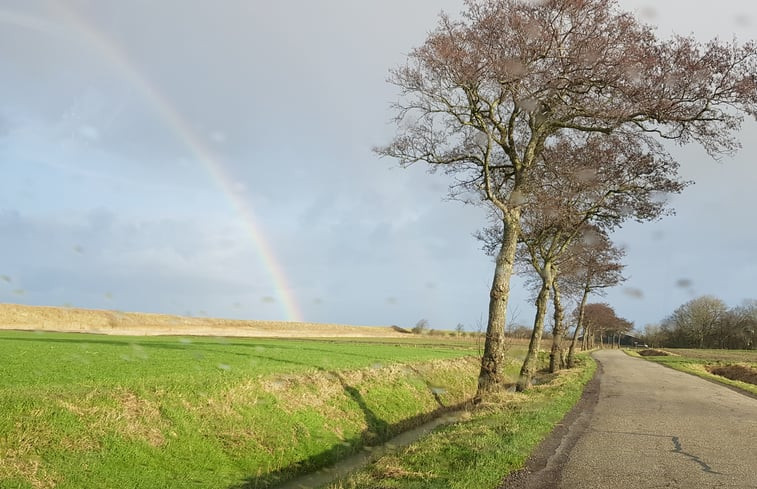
point(642, 425)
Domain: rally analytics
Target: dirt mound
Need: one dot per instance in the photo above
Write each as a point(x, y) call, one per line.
point(744, 373)
point(654, 353)
point(399, 329)
point(70, 319)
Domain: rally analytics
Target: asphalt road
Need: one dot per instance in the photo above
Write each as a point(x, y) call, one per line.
point(642, 425)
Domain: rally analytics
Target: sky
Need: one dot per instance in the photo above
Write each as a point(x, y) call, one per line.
point(215, 159)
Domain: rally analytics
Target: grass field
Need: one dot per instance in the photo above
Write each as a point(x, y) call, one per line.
point(94, 411)
point(700, 362)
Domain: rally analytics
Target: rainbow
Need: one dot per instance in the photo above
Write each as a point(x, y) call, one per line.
point(181, 129)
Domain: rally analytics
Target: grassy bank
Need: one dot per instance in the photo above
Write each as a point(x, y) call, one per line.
point(477, 453)
point(106, 411)
point(77, 320)
point(700, 362)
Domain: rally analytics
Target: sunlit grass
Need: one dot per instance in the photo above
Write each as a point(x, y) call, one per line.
point(106, 411)
point(35, 359)
point(478, 452)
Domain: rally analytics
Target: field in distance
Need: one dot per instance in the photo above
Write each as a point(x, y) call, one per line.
point(83, 410)
point(723, 356)
point(78, 320)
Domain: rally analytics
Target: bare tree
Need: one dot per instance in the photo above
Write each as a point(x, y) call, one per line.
point(600, 319)
point(421, 327)
point(747, 324)
point(695, 324)
point(459, 329)
point(594, 265)
point(484, 95)
point(590, 179)
point(706, 322)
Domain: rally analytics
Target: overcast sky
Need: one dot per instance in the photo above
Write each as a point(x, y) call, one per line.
point(214, 158)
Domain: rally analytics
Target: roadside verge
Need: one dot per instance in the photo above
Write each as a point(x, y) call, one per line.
point(496, 439)
point(698, 367)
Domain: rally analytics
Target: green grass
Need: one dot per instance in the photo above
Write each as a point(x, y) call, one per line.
point(103, 411)
point(479, 452)
point(35, 359)
point(694, 362)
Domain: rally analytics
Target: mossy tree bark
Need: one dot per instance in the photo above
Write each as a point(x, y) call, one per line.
point(579, 325)
point(528, 369)
point(556, 358)
point(490, 377)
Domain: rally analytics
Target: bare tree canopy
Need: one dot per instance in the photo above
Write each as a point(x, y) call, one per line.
point(586, 184)
point(487, 94)
point(593, 265)
point(601, 321)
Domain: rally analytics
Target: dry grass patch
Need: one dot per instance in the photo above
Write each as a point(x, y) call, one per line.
point(73, 319)
point(19, 464)
point(123, 412)
point(391, 468)
point(313, 390)
point(19, 454)
point(743, 373)
point(655, 353)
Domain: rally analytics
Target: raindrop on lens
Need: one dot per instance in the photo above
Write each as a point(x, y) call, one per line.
point(684, 283)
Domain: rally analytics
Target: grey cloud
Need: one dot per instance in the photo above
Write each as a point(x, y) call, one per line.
point(81, 259)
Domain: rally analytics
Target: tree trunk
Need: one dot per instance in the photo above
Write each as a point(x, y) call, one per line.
point(556, 359)
point(579, 324)
point(532, 356)
point(490, 378)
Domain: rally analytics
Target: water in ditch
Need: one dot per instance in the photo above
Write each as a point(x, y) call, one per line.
point(369, 455)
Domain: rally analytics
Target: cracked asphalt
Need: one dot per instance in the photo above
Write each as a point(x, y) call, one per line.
point(642, 425)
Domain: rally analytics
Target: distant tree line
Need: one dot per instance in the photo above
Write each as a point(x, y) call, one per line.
point(601, 327)
point(422, 327)
point(706, 322)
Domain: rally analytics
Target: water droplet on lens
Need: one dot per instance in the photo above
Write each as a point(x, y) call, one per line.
point(648, 12)
point(684, 283)
point(633, 292)
point(742, 20)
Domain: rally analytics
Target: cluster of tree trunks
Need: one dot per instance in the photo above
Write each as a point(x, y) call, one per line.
point(550, 114)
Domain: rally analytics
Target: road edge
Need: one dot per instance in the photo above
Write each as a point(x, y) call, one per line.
point(543, 466)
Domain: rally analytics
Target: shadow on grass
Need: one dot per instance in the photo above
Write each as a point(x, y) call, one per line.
point(378, 429)
point(377, 433)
